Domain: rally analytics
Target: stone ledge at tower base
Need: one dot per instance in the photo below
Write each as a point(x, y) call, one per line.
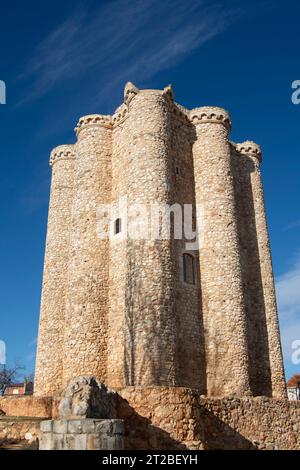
point(29, 405)
point(165, 418)
point(82, 434)
point(174, 418)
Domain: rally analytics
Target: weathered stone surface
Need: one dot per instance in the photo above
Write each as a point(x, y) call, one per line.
point(86, 397)
point(60, 426)
point(177, 418)
point(203, 423)
point(57, 442)
point(46, 441)
point(27, 406)
point(47, 426)
point(82, 434)
point(75, 426)
point(120, 307)
point(80, 442)
point(19, 429)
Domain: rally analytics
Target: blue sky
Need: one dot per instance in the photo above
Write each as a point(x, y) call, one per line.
point(64, 59)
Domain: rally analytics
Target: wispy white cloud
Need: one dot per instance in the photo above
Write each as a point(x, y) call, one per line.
point(288, 293)
point(33, 342)
point(292, 225)
point(288, 298)
point(123, 39)
point(35, 195)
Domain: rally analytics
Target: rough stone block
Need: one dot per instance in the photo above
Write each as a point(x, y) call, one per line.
point(80, 442)
point(69, 442)
point(86, 397)
point(118, 442)
point(75, 426)
point(93, 442)
point(88, 425)
point(103, 442)
point(46, 441)
point(113, 443)
point(84, 434)
point(60, 426)
point(46, 426)
point(104, 427)
point(118, 426)
point(57, 441)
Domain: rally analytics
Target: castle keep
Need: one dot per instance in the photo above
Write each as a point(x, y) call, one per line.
point(149, 312)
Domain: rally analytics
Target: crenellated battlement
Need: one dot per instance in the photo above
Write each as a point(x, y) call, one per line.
point(250, 148)
point(120, 114)
point(210, 114)
point(93, 121)
point(62, 152)
point(130, 91)
point(178, 112)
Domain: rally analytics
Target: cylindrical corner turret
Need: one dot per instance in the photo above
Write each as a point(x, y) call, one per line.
point(149, 348)
point(85, 345)
point(49, 361)
point(266, 335)
point(221, 281)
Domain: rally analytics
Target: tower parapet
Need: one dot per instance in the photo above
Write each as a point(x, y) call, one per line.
point(250, 148)
point(93, 121)
point(62, 152)
point(130, 91)
point(210, 114)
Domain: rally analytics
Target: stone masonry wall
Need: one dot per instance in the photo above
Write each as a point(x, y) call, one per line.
point(116, 372)
point(180, 418)
point(82, 434)
point(150, 346)
point(39, 407)
point(167, 418)
point(119, 308)
point(190, 355)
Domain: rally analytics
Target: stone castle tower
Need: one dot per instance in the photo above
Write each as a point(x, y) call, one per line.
point(150, 312)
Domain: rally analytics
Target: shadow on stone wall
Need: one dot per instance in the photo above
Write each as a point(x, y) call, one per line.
point(219, 436)
point(145, 357)
point(187, 353)
point(141, 434)
point(257, 335)
point(208, 432)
